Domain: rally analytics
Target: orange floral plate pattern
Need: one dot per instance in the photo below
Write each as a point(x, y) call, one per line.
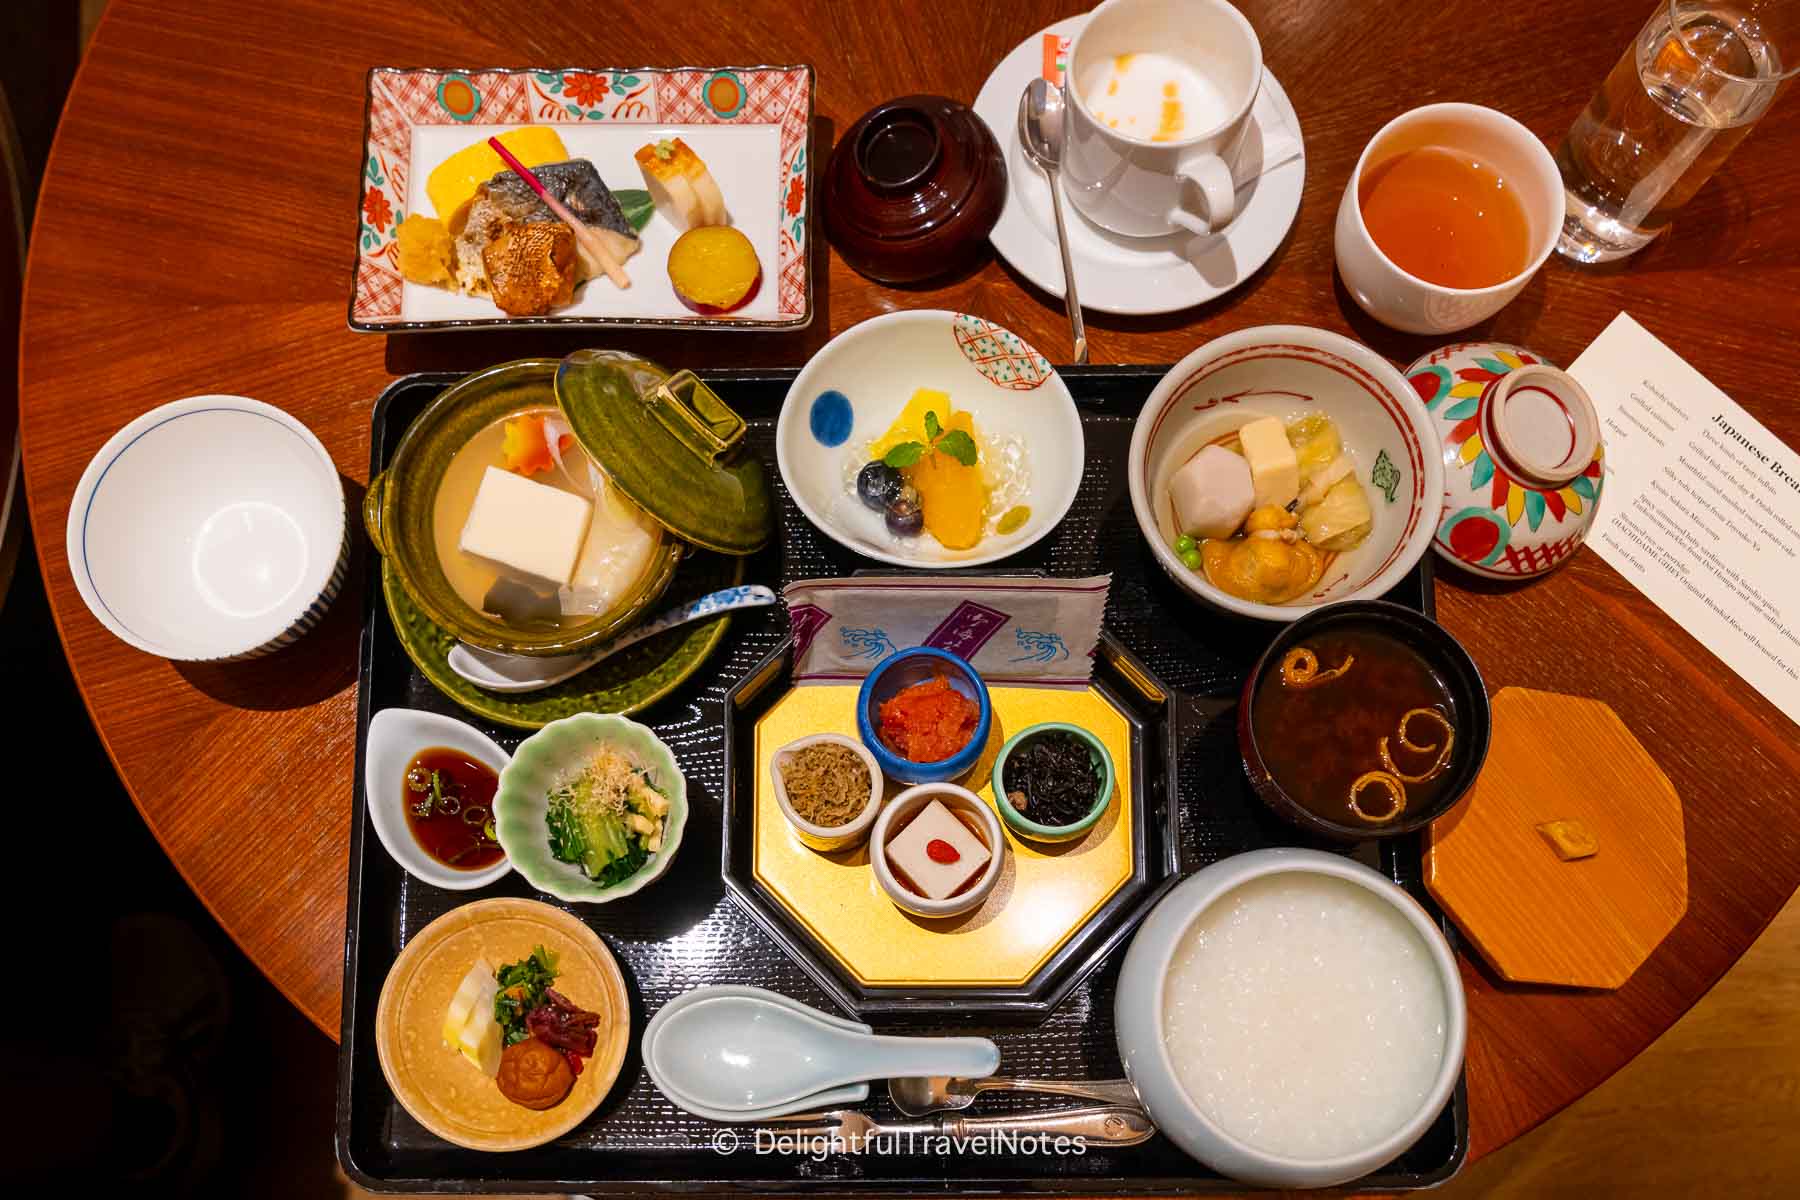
point(408, 112)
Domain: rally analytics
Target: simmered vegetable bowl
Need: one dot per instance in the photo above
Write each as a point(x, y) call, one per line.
point(591, 808)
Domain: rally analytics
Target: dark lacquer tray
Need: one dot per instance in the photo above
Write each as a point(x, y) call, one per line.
point(687, 930)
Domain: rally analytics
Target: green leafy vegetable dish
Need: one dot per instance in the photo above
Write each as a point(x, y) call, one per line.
point(591, 808)
point(607, 819)
point(521, 989)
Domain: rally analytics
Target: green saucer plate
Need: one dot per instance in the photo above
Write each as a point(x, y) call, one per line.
point(632, 679)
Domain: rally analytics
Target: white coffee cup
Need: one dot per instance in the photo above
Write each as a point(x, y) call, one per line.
point(1143, 188)
point(1402, 300)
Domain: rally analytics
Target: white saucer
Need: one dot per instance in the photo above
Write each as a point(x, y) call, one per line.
point(1116, 274)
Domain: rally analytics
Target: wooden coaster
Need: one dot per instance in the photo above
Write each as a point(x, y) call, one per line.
point(1536, 917)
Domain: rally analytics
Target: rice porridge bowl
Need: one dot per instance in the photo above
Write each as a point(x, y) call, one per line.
point(1304, 1016)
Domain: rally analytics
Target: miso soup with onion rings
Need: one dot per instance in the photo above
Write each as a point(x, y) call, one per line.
point(1356, 726)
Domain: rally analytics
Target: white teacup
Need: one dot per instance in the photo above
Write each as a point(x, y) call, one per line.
point(1136, 185)
point(1402, 300)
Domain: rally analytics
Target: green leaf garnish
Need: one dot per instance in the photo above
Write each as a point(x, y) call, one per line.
point(637, 205)
point(932, 428)
point(960, 446)
point(906, 454)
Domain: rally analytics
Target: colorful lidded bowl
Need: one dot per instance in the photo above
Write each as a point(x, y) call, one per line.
point(1522, 450)
point(664, 440)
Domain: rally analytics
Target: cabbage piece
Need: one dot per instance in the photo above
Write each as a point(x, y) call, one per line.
point(1341, 520)
point(1316, 443)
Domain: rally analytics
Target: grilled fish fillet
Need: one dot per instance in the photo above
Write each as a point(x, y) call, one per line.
point(506, 200)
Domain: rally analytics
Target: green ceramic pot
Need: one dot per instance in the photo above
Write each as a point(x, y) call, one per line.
point(398, 514)
point(541, 763)
point(1017, 820)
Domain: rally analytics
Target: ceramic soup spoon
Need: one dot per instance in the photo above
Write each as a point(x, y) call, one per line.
point(738, 1051)
point(514, 673)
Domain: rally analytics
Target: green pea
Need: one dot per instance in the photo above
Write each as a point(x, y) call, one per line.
point(1184, 544)
point(1191, 558)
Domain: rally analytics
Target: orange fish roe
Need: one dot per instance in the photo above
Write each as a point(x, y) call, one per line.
point(929, 721)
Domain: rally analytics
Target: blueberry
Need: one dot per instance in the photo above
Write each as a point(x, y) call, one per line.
point(878, 484)
point(905, 515)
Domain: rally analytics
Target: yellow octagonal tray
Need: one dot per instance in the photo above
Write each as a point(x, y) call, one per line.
point(1058, 908)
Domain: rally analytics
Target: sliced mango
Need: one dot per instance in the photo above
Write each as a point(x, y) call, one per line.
point(953, 496)
point(452, 184)
point(909, 426)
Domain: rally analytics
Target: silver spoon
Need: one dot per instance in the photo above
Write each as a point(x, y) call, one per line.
point(1041, 137)
point(917, 1097)
point(499, 672)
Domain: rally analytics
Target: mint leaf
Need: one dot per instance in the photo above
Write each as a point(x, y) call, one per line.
point(932, 428)
point(637, 206)
point(960, 446)
point(906, 454)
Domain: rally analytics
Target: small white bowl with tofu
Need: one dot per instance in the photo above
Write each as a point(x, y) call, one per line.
point(937, 850)
point(1234, 485)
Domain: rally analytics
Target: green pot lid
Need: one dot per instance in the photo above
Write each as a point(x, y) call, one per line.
point(668, 442)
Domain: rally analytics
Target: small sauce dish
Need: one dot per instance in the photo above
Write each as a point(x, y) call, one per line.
point(902, 670)
point(829, 837)
point(396, 736)
point(969, 810)
point(1024, 826)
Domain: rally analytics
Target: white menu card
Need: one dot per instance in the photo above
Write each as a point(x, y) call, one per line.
point(1701, 509)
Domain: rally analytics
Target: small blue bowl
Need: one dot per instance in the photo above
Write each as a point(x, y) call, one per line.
point(901, 670)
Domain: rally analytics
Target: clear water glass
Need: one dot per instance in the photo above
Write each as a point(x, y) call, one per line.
point(1685, 93)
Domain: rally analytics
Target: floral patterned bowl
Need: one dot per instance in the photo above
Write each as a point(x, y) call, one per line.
point(1512, 509)
point(856, 385)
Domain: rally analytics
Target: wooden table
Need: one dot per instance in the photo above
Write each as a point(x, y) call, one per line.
point(194, 235)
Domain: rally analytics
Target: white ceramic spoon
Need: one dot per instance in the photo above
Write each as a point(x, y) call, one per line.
point(741, 1050)
point(499, 672)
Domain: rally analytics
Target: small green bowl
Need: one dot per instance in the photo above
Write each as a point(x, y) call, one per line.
point(540, 763)
point(397, 511)
point(1024, 827)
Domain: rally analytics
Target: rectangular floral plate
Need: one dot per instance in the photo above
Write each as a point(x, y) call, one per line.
point(751, 125)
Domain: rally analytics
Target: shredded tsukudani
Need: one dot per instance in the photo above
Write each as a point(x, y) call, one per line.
point(827, 784)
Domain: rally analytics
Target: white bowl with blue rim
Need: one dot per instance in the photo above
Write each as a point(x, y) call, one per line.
point(851, 391)
point(211, 528)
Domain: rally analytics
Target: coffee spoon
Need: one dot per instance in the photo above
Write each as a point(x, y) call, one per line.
point(1041, 137)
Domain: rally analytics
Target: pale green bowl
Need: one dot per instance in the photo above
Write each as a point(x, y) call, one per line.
point(540, 764)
